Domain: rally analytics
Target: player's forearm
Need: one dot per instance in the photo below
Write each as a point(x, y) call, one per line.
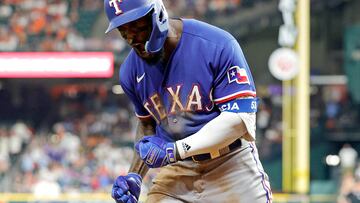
point(215, 135)
point(137, 165)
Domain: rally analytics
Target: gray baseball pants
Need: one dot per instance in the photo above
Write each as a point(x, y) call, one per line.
point(237, 177)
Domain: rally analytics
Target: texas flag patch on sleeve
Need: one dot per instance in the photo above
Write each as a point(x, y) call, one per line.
point(238, 75)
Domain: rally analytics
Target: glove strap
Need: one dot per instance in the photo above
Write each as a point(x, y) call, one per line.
point(136, 174)
point(171, 153)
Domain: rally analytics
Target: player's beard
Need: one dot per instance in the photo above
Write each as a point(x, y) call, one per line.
point(156, 58)
point(153, 58)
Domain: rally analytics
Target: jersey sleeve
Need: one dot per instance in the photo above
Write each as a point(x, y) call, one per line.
point(233, 78)
point(127, 85)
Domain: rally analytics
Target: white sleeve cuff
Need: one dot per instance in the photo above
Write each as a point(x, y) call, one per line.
point(250, 122)
point(217, 134)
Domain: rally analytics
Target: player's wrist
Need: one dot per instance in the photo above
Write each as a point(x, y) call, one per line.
point(177, 154)
point(135, 175)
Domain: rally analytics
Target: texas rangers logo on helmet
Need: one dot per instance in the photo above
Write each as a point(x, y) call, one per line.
point(116, 5)
point(238, 75)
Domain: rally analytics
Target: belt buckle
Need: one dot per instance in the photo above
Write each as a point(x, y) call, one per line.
point(212, 155)
point(216, 154)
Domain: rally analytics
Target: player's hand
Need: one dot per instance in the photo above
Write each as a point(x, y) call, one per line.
point(126, 189)
point(155, 151)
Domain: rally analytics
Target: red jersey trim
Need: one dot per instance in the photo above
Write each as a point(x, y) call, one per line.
point(234, 96)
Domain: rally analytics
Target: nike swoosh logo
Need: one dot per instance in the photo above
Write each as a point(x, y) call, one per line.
point(139, 79)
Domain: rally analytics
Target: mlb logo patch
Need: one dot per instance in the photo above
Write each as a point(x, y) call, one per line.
point(238, 75)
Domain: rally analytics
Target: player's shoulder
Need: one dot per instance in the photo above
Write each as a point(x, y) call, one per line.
point(206, 31)
point(128, 66)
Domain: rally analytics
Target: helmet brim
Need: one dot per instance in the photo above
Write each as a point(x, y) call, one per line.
point(128, 17)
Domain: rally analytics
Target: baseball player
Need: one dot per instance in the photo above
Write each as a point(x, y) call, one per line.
point(195, 98)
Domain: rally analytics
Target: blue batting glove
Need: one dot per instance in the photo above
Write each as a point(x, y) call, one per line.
point(126, 189)
point(155, 151)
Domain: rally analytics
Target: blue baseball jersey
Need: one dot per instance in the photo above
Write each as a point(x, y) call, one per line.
point(205, 73)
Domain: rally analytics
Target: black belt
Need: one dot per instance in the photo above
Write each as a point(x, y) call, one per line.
point(203, 157)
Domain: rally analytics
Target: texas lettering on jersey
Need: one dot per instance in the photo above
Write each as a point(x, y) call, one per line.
point(155, 105)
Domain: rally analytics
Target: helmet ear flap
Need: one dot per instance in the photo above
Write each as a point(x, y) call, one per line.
point(161, 14)
point(160, 28)
point(161, 17)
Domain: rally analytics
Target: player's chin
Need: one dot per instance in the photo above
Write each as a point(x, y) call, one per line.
point(144, 55)
point(151, 58)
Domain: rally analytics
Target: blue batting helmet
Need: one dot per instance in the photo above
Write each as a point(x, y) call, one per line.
point(120, 12)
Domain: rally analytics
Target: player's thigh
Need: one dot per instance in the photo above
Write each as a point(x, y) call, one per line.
point(240, 179)
point(161, 198)
point(173, 184)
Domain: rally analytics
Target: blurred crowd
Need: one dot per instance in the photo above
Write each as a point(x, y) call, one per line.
point(333, 114)
point(45, 25)
point(60, 162)
point(80, 146)
point(349, 189)
point(12, 142)
point(67, 25)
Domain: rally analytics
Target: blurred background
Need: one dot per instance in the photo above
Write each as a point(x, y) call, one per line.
point(64, 137)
